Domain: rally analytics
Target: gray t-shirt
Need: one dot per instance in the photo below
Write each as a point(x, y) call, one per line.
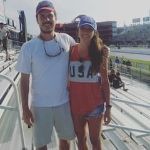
point(49, 74)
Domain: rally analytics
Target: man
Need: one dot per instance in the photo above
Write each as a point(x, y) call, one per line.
point(4, 37)
point(117, 82)
point(117, 62)
point(45, 59)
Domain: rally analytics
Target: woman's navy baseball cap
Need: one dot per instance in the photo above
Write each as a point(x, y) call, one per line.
point(87, 21)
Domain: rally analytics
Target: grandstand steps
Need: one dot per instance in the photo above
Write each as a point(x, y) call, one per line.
point(119, 144)
point(123, 114)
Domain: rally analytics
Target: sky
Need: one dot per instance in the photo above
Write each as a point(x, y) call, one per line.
point(122, 11)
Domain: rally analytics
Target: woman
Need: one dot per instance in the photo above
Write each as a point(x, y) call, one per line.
point(89, 85)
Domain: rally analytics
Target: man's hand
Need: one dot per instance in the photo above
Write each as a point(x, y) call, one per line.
point(28, 117)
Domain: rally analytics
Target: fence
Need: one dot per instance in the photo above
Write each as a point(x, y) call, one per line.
point(138, 71)
point(11, 44)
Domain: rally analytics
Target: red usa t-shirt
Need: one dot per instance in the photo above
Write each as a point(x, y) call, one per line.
point(84, 87)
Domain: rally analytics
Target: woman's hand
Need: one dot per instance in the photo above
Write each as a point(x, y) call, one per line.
point(107, 116)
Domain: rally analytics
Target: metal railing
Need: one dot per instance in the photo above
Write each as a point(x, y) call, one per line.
point(17, 109)
point(141, 73)
point(12, 44)
point(131, 103)
point(129, 129)
point(146, 132)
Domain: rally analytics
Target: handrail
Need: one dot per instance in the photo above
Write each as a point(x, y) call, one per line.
point(13, 44)
point(17, 108)
point(128, 128)
point(129, 102)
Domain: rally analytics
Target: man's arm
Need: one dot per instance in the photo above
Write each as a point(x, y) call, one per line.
point(24, 86)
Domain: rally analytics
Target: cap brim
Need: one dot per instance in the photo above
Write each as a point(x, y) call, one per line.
point(87, 25)
point(45, 8)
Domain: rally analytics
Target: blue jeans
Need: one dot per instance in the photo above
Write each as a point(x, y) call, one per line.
point(96, 112)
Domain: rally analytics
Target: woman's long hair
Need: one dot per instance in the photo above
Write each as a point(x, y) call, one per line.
point(95, 52)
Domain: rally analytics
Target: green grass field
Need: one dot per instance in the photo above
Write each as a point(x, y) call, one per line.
point(138, 64)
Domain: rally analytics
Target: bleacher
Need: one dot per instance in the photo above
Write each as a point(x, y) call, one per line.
point(128, 130)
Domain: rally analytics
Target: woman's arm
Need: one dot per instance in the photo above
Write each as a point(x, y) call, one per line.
point(104, 75)
point(105, 84)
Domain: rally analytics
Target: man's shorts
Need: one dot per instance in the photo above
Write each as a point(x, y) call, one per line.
point(45, 118)
point(4, 41)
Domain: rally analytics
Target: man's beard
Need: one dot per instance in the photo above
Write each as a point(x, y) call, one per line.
point(48, 32)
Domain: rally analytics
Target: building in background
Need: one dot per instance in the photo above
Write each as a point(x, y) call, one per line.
point(106, 30)
point(146, 20)
point(136, 21)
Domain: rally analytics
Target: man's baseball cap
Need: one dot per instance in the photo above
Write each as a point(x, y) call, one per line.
point(45, 5)
point(87, 21)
